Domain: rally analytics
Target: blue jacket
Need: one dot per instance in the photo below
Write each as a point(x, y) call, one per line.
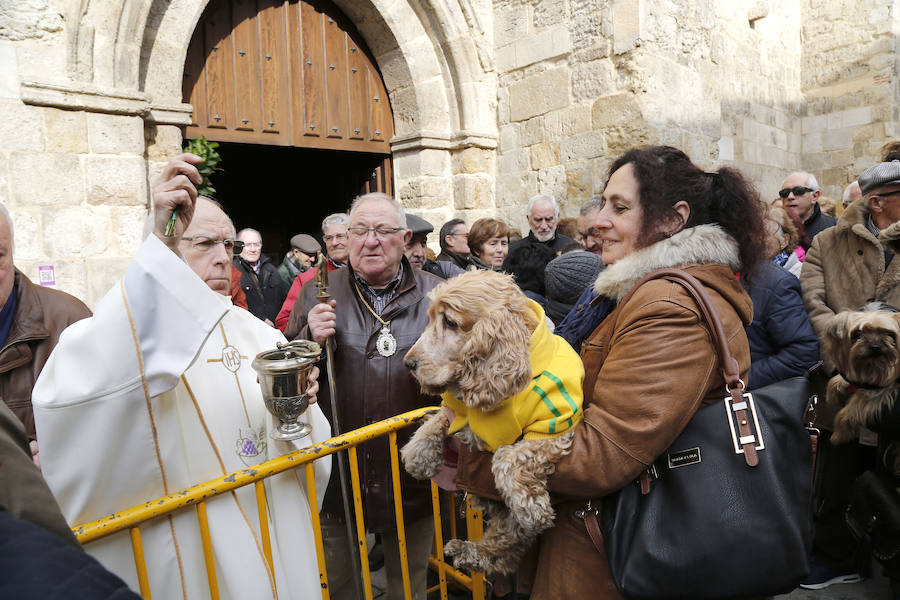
point(782, 341)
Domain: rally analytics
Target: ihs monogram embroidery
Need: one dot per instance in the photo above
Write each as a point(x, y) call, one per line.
point(231, 358)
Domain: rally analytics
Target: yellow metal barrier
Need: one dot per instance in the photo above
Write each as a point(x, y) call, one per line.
point(131, 518)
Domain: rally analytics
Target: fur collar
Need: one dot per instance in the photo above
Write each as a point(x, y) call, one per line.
point(700, 244)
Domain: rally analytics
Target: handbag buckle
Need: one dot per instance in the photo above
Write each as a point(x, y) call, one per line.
point(748, 408)
point(581, 513)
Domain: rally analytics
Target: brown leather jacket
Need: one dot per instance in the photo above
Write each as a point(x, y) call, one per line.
point(41, 315)
point(660, 368)
point(372, 387)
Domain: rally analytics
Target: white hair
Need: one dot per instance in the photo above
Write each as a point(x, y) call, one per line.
point(249, 230)
point(401, 215)
point(5, 212)
point(811, 181)
point(335, 219)
point(535, 199)
point(848, 190)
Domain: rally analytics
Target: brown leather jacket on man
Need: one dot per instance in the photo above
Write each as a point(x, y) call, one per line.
point(660, 367)
point(41, 315)
point(371, 387)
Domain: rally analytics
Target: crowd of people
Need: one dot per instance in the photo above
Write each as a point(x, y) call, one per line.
point(154, 392)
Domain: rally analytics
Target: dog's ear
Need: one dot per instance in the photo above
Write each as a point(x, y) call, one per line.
point(495, 362)
point(835, 339)
point(837, 327)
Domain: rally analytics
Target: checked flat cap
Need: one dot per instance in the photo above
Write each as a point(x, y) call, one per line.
point(306, 244)
point(881, 174)
point(418, 225)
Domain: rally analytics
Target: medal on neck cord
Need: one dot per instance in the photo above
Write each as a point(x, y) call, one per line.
point(386, 344)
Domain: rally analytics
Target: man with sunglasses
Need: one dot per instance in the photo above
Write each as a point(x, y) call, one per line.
point(800, 193)
point(156, 393)
point(846, 267)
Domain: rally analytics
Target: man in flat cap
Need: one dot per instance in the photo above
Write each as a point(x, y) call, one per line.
point(299, 258)
point(847, 266)
point(416, 247)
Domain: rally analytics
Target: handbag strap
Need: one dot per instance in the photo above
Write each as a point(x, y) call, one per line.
point(730, 369)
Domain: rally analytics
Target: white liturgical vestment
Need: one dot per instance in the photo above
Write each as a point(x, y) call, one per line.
point(155, 393)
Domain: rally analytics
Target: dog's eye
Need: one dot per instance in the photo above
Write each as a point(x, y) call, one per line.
point(855, 335)
point(448, 324)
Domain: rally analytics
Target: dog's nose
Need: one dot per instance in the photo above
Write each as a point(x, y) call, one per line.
point(411, 364)
point(875, 349)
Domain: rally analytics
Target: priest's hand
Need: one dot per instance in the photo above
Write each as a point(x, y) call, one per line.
point(313, 389)
point(321, 321)
point(173, 189)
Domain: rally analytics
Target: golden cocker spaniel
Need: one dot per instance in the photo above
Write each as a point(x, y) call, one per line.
point(478, 350)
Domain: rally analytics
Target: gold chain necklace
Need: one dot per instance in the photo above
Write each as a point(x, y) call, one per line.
point(386, 344)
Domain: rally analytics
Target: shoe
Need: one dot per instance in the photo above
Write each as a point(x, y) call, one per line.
point(376, 556)
point(822, 576)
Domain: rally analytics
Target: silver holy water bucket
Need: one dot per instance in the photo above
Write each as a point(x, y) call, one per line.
point(283, 379)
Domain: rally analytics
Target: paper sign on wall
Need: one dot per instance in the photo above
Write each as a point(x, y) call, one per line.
point(45, 275)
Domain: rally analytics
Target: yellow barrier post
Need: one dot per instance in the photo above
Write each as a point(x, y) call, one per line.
point(439, 541)
point(137, 547)
point(261, 507)
point(360, 524)
point(398, 512)
point(208, 557)
point(317, 527)
point(475, 529)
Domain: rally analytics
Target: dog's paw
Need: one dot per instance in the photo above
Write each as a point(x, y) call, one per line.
point(466, 555)
point(422, 457)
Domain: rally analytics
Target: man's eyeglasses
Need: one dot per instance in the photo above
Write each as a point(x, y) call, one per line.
point(382, 233)
point(463, 235)
point(252, 245)
point(204, 244)
point(337, 236)
point(798, 191)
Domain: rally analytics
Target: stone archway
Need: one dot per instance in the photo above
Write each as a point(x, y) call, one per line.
point(128, 58)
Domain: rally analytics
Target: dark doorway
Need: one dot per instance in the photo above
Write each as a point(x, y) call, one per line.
point(282, 191)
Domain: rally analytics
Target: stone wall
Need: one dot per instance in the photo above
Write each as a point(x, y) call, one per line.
point(580, 82)
point(850, 80)
point(494, 101)
point(74, 181)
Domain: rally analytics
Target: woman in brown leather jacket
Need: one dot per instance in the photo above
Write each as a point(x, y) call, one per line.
point(659, 211)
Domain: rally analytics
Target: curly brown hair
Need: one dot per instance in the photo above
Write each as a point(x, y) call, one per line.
point(666, 176)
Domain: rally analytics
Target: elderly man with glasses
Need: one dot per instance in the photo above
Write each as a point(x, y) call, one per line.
point(799, 193)
point(155, 393)
point(848, 266)
point(378, 309)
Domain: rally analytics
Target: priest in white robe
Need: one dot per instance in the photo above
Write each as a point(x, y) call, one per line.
point(155, 393)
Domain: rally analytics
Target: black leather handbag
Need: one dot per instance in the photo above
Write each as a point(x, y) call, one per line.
point(726, 511)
